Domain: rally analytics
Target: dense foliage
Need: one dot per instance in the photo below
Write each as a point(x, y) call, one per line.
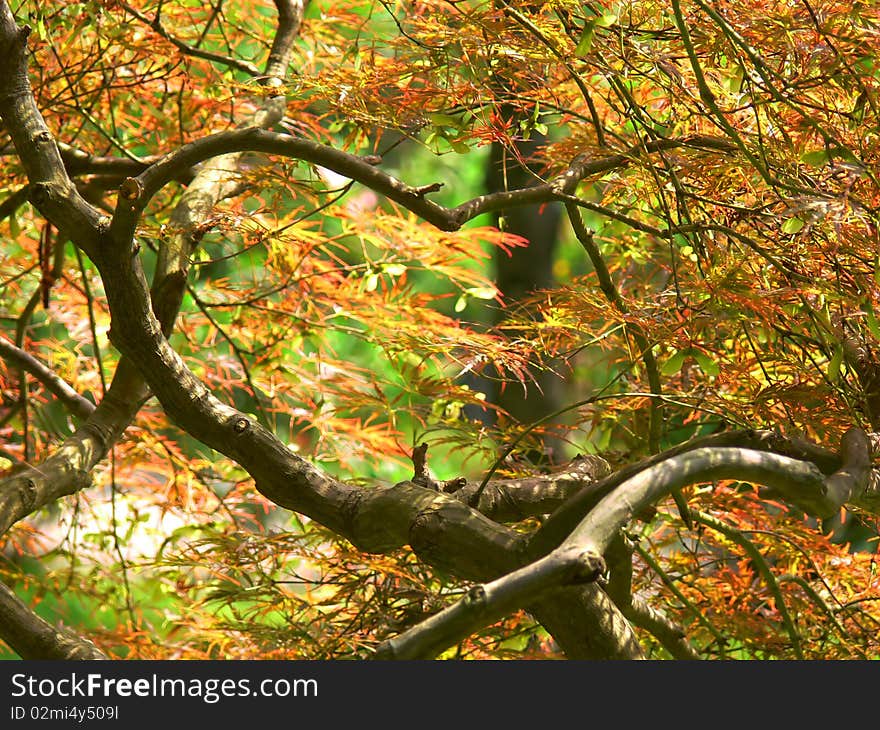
point(256, 237)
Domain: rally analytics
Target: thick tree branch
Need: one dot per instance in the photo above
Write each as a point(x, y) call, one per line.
point(79, 162)
point(31, 637)
point(50, 190)
point(284, 477)
point(565, 518)
point(67, 470)
point(364, 171)
point(290, 17)
point(514, 499)
point(800, 482)
point(484, 604)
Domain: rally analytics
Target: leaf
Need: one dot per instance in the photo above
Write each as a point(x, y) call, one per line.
point(460, 303)
point(816, 158)
point(674, 363)
point(705, 361)
point(835, 363)
point(792, 225)
point(734, 81)
point(586, 39)
point(871, 319)
point(444, 120)
point(482, 292)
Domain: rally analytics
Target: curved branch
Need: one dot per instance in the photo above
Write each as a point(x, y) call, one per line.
point(563, 520)
point(800, 482)
point(364, 171)
point(290, 16)
point(188, 50)
point(31, 637)
point(440, 529)
point(485, 604)
point(514, 499)
point(80, 162)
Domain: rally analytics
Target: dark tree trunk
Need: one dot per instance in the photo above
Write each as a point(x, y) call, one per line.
point(523, 272)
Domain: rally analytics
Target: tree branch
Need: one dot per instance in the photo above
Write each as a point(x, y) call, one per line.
point(67, 470)
point(514, 499)
point(188, 50)
point(78, 405)
point(31, 637)
point(441, 529)
point(565, 518)
point(485, 604)
point(800, 482)
point(79, 162)
point(636, 610)
point(364, 171)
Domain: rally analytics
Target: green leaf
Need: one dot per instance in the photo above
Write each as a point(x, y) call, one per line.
point(586, 39)
point(873, 324)
point(444, 120)
point(816, 158)
point(792, 225)
point(835, 363)
point(734, 82)
point(706, 362)
point(674, 363)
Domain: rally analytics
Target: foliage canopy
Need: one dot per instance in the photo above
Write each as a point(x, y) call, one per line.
point(245, 302)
